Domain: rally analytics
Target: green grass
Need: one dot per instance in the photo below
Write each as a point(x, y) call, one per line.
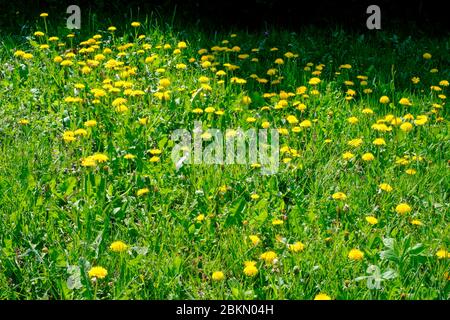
point(58, 218)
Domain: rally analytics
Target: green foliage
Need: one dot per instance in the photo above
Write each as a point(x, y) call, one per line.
point(60, 215)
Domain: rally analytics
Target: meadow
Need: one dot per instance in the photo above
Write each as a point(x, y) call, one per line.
point(93, 207)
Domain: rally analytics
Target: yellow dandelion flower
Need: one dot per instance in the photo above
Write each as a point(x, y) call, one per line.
point(254, 239)
point(384, 100)
point(305, 124)
point(254, 196)
point(218, 276)
point(415, 80)
point(27, 56)
point(164, 82)
point(292, 119)
point(246, 100)
point(385, 187)
point(90, 123)
point(372, 220)
point(142, 192)
point(405, 102)
point(265, 124)
point(347, 155)
point(97, 272)
point(118, 246)
point(182, 45)
point(355, 142)
point(80, 132)
point(406, 127)
point(200, 217)
point(443, 254)
point(403, 208)
point(129, 156)
point(352, 120)
point(250, 268)
point(379, 142)
point(296, 247)
point(368, 156)
point(421, 120)
point(339, 196)
point(69, 136)
point(268, 256)
point(277, 222)
point(355, 254)
point(99, 157)
point(322, 296)
point(19, 53)
point(314, 81)
point(88, 162)
point(154, 159)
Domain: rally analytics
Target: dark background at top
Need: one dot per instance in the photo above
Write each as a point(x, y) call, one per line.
point(431, 16)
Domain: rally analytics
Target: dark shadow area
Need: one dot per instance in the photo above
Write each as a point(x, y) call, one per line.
point(416, 16)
